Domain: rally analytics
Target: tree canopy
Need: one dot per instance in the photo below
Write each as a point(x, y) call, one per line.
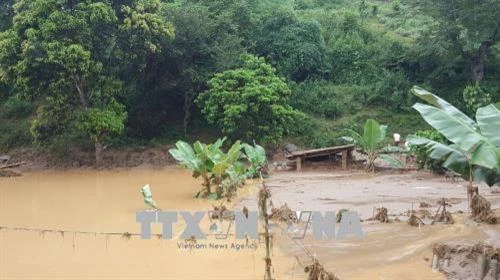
point(249, 102)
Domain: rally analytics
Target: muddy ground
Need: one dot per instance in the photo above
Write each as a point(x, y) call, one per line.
point(394, 250)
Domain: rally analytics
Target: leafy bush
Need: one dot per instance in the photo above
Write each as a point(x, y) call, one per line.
point(422, 155)
point(14, 134)
point(324, 99)
point(249, 103)
point(16, 108)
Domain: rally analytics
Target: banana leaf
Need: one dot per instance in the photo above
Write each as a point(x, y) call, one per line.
point(442, 104)
point(488, 118)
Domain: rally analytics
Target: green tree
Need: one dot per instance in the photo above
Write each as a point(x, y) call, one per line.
point(466, 28)
point(249, 103)
point(70, 55)
point(6, 13)
point(295, 47)
point(207, 41)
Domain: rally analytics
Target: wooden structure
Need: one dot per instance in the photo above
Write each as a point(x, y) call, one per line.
point(345, 151)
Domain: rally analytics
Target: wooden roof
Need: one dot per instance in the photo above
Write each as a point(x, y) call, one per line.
point(320, 152)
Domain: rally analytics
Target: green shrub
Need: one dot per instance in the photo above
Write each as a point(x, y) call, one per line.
point(14, 134)
point(16, 108)
point(423, 161)
point(326, 100)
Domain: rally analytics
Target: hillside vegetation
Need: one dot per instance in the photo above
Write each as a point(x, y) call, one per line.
point(117, 74)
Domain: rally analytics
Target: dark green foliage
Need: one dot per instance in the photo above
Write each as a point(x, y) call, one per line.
point(344, 62)
point(326, 100)
point(16, 108)
point(295, 47)
point(14, 134)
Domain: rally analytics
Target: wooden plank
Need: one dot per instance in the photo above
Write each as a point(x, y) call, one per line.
point(299, 163)
point(320, 152)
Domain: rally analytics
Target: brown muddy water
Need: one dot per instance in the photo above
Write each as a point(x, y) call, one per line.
point(106, 201)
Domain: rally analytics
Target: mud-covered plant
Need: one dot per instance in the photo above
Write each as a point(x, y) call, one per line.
point(256, 156)
point(316, 271)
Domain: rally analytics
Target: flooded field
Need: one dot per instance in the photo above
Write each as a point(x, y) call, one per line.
point(106, 201)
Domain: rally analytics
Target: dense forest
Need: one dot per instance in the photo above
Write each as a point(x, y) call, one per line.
point(121, 73)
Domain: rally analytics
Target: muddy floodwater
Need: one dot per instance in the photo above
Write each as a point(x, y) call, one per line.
point(107, 201)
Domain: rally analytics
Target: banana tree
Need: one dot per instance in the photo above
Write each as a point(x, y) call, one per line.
point(199, 158)
point(256, 156)
point(369, 141)
point(209, 162)
point(222, 162)
point(475, 149)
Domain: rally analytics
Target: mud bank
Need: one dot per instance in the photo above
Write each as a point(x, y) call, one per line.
point(72, 158)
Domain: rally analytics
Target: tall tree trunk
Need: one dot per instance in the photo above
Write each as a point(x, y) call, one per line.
point(477, 61)
point(188, 101)
point(80, 90)
point(99, 147)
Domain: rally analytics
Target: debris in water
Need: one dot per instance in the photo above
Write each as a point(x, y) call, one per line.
point(424, 204)
point(415, 221)
point(316, 271)
point(422, 213)
point(466, 260)
point(381, 215)
point(9, 173)
point(283, 214)
point(339, 214)
point(127, 235)
point(245, 211)
point(221, 212)
point(442, 215)
point(481, 210)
